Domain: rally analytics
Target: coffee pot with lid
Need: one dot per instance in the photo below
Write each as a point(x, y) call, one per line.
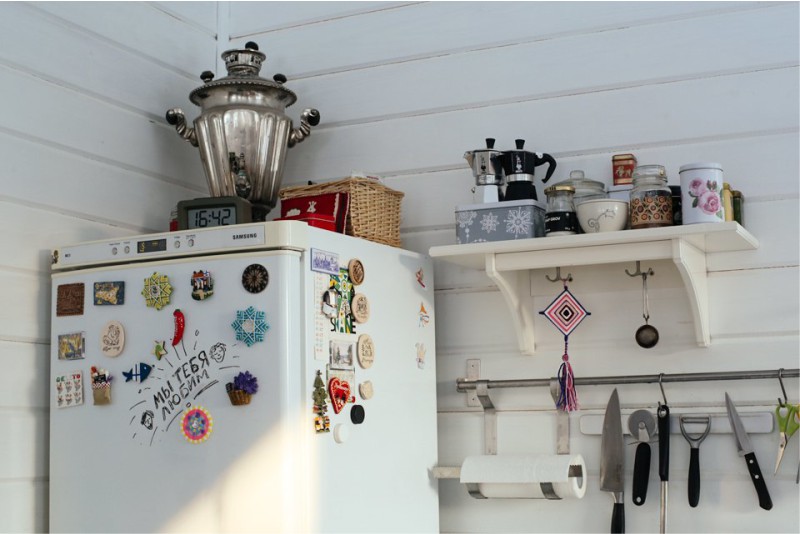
point(488, 173)
point(519, 166)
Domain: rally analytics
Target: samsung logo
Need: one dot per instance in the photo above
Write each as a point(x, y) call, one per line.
point(244, 236)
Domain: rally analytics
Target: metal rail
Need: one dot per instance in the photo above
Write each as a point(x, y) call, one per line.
point(463, 384)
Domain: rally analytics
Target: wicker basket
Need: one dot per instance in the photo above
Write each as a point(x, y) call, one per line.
point(239, 397)
point(374, 208)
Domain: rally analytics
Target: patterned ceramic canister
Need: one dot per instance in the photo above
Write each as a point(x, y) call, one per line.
point(701, 190)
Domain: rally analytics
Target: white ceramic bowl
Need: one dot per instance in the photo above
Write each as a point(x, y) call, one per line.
point(602, 215)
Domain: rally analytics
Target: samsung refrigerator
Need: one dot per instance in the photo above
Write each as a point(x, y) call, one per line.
point(269, 377)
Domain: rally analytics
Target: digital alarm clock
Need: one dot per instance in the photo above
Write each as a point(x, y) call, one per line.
point(213, 211)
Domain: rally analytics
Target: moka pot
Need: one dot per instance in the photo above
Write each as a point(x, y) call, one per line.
point(519, 166)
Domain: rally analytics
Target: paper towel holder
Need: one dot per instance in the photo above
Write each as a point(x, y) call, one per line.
point(523, 482)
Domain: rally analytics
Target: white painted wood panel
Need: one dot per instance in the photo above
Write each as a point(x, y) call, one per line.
point(27, 318)
point(28, 385)
point(436, 28)
point(25, 506)
point(80, 186)
point(673, 113)
point(257, 17)
point(626, 57)
point(165, 40)
point(24, 443)
point(202, 14)
point(53, 115)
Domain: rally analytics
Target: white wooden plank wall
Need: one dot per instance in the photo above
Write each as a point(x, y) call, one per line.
point(86, 155)
point(404, 90)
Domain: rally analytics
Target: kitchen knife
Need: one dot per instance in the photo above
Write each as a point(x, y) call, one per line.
point(746, 450)
point(612, 462)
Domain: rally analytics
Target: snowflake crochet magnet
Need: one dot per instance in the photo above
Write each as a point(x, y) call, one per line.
point(157, 291)
point(250, 326)
point(197, 424)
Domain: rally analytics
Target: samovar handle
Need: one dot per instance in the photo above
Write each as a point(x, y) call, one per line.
point(309, 117)
point(176, 118)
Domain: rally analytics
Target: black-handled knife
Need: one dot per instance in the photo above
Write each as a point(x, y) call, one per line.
point(612, 462)
point(746, 450)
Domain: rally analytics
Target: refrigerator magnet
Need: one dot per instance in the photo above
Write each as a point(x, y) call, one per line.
point(322, 424)
point(202, 285)
point(69, 390)
point(255, 278)
point(69, 300)
point(341, 433)
point(365, 389)
point(357, 414)
point(323, 261)
point(109, 293)
point(366, 351)
point(355, 269)
point(157, 291)
point(424, 317)
point(342, 351)
point(196, 424)
point(101, 386)
point(242, 389)
point(421, 350)
point(421, 278)
point(250, 326)
point(72, 346)
point(339, 392)
point(360, 308)
point(112, 339)
point(138, 373)
point(160, 349)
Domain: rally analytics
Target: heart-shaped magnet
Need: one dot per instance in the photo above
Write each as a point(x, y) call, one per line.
point(339, 392)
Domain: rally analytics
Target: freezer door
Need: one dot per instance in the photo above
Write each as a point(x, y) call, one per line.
point(170, 452)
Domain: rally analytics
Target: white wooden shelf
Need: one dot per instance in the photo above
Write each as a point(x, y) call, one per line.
point(507, 262)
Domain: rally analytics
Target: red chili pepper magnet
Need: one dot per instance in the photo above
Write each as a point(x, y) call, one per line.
point(180, 324)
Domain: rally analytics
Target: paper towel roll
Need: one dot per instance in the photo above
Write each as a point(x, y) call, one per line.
point(525, 476)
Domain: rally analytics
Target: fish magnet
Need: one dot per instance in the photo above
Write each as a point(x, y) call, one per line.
point(112, 339)
point(139, 373)
point(360, 308)
point(255, 278)
point(202, 285)
point(355, 269)
point(157, 291)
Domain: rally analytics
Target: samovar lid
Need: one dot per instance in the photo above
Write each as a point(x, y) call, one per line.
point(243, 67)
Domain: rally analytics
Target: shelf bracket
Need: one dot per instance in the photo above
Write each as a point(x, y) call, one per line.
point(691, 264)
point(514, 285)
point(489, 417)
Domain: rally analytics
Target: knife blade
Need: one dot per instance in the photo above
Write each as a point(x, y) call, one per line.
point(745, 448)
point(612, 462)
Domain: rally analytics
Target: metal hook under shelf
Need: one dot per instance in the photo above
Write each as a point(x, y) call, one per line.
point(558, 276)
point(639, 272)
point(782, 402)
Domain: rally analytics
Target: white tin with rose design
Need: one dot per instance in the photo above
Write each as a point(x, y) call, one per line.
point(701, 190)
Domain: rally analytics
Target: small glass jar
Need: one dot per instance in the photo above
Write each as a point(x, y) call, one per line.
point(585, 189)
point(727, 201)
point(651, 198)
point(560, 217)
point(738, 207)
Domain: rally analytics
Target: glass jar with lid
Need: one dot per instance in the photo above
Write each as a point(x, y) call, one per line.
point(585, 189)
point(651, 198)
point(560, 217)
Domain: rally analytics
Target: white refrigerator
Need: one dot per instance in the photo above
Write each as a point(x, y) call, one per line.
point(156, 337)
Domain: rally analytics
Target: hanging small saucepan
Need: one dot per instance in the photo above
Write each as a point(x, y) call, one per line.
point(519, 166)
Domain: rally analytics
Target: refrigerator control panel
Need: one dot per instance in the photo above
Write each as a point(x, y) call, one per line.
point(184, 243)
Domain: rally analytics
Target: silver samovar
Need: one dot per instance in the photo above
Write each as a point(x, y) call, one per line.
point(242, 131)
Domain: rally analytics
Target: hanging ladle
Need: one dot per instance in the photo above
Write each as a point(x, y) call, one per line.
point(646, 335)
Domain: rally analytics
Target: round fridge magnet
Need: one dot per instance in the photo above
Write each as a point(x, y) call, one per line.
point(255, 278)
point(366, 351)
point(355, 269)
point(196, 424)
point(250, 326)
point(360, 308)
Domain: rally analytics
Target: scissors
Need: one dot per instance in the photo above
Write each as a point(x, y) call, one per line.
point(788, 423)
